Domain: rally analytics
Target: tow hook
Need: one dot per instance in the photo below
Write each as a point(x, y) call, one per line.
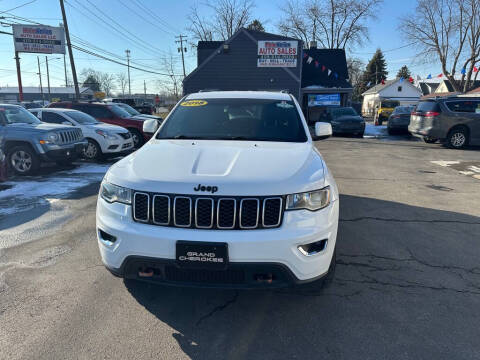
point(264, 278)
point(145, 272)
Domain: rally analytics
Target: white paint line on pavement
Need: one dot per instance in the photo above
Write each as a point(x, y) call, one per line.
point(445, 163)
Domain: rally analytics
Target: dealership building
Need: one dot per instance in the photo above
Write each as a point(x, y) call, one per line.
point(254, 60)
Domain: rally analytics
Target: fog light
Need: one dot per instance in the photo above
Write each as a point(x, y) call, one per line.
point(107, 238)
point(313, 248)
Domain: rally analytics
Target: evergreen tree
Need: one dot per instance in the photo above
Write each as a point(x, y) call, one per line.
point(92, 82)
point(404, 72)
point(376, 70)
point(256, 25)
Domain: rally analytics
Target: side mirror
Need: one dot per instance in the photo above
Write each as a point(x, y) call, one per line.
point(150, 126)
point(323, 130)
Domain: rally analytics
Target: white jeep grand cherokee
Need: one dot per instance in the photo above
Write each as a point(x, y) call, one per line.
point(229, 192)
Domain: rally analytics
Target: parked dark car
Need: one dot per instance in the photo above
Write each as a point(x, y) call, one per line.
point(400, 118)
point(144, 108)
point(452, 120)
point(27, 141)
point(110, 113)
point(344, 120)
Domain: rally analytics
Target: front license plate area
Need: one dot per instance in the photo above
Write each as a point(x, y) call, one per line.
point(201, 255)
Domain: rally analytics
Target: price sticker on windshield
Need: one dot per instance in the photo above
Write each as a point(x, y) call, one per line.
point(194, 103)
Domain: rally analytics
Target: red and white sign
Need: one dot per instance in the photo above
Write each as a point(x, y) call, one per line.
point(39, 39)
point(274, 53)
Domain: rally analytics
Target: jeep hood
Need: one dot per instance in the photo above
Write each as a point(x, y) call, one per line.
point(235, 167)
point(40, 127)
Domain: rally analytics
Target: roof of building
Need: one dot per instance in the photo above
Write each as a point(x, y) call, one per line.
point(37, 90)
point(449, 86)
point(316, 72)
point(379, 87)
point(441, 94)
point(428, 87)
point(474, 91)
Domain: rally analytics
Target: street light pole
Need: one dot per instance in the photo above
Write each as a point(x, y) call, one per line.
point(128, 69)
point(40, 76)
point(48, 80)
point(70, 52)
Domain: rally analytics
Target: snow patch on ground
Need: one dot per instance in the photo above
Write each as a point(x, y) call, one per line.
point(42, 190)
point(445, 163)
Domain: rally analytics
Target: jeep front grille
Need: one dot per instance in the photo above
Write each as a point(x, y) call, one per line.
point(70, 136)
point(201, 212)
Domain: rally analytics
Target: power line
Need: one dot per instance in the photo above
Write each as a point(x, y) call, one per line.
point(163, 22)
point(146, 19)
point(120, 63)
point(19, 6)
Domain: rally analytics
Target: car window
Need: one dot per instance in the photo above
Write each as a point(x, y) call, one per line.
point(403, 110)
point(466, 106)
point(17, 115)
point(118, 111)
point(82, 118)
point(53, 118)
point(235, 119)
point(339, 112)
point(98, 112)
point(424, 106)
point(389, 104)
point(129, 109)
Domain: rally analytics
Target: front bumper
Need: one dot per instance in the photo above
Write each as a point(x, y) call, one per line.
point(117, 146)
point(63, 152)
point(273, 250)
point(348, 130)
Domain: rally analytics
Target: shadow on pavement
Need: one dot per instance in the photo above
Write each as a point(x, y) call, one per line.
point(406, 276)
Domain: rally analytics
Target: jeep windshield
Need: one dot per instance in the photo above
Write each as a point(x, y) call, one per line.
point(17, 115)
point(235, 119)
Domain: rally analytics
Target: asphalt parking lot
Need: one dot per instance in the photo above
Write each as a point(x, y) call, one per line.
point(407, 283)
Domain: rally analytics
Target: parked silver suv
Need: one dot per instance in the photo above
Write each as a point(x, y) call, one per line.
point(453, 120)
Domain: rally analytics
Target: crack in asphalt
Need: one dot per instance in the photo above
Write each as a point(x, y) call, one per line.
point(218, 308)
point(409, 220)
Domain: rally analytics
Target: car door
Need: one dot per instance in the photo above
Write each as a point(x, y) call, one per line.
point(475, 124)
point(103, 114)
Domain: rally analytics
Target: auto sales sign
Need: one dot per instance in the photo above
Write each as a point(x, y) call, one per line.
point(274, 53)
point(39, 39)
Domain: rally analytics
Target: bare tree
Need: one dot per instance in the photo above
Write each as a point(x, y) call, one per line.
point(226, 17)
point(335, 24)
point(356, 68)
point(200, 27)
point(107, 83)
point(172, 85)
point(447, 31)
point(122, 81)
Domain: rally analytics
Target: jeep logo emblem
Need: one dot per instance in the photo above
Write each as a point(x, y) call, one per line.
point(200, 187)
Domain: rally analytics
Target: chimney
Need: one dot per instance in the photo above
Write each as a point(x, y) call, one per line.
point(313, 45)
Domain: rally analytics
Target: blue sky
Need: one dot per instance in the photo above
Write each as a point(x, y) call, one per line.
point(151, 36)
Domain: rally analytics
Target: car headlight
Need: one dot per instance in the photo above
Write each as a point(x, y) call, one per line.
point(114, 193)
point(50, 138)
point(106, 134)
point(312, 200)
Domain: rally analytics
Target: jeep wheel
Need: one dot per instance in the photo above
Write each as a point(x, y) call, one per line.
point(23, 160)
point(457, 138)
point(92, 151)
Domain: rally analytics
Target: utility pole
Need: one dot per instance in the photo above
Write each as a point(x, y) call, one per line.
point(145, 90)
point(181, 49)
point(40, 76)
point(48, 80)
point(70, 53)
point(19, 77)
point(128, 69)
point(65, 67)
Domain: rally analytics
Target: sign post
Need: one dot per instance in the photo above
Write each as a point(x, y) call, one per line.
point(19, 77)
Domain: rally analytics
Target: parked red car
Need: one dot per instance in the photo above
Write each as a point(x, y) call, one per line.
point(109, 113)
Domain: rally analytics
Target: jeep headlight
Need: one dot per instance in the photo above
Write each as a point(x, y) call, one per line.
point(50, 138)
point(114, 193)
point(312, 200)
